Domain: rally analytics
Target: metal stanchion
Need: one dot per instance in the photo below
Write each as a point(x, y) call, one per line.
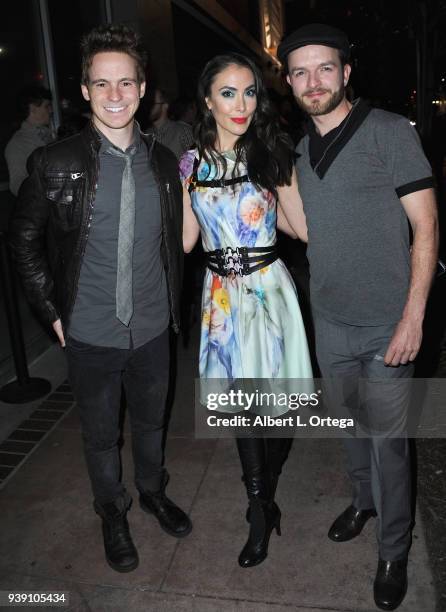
point(24, 389)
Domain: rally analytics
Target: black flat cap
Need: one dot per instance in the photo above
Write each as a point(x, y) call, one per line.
point(313, 34)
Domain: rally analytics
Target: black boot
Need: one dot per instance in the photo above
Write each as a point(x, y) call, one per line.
point(171, 518)
point(264, 513)
point(264, 517)
point(120, 551)
point(277, 451)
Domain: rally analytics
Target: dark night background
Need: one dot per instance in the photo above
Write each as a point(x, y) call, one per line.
point(386, 37)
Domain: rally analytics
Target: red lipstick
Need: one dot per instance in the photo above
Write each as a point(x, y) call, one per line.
point(239, 119)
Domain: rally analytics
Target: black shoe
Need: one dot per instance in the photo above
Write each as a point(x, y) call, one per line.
point(390, 584)
point(349, 524)
point(264, 517)
point(120, 552)
point(171, 518)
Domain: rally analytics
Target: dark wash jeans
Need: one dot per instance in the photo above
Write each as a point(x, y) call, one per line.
point(96, 375)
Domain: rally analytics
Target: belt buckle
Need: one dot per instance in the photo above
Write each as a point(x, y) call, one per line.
point(192, 184)
point(233, 261)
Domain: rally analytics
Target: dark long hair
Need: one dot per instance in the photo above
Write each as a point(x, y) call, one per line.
point(267, 150)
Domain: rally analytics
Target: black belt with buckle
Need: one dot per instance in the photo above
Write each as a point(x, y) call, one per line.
point(194, 182)
point(238, 260)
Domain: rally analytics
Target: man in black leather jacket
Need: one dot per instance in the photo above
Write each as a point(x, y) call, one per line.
point(97, 238)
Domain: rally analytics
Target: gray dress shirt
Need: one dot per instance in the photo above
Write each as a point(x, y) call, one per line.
point(94, 315)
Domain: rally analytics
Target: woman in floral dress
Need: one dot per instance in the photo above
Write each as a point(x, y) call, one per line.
point(239, 183)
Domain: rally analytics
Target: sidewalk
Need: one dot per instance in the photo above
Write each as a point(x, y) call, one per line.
point(51, 540)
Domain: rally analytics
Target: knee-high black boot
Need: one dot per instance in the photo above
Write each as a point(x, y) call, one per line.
point(277, 451)
point(264, 513)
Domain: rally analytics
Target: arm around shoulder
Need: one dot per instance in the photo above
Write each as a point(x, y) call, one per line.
point(290, 210)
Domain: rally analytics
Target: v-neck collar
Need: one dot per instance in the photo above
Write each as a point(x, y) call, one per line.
point(359, 111)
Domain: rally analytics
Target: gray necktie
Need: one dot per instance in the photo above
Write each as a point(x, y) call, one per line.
point(124, 276)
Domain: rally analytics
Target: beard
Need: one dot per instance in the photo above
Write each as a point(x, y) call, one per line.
point(315, 107)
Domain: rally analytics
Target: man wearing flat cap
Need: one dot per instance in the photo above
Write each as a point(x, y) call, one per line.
point(362, 177)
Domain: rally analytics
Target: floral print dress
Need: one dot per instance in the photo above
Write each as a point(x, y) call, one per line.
point(251, 326)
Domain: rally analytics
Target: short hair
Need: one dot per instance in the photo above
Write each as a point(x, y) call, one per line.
point(118, 38)
point(32, 94)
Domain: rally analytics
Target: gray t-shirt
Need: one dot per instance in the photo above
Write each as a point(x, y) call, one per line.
point(23, 142)
point(358, 233)
point(94, 315)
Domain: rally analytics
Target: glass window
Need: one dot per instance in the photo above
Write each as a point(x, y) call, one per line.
point(68, 23)
point(20, 60)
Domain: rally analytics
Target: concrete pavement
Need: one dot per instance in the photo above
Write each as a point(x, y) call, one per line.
point(50, 538)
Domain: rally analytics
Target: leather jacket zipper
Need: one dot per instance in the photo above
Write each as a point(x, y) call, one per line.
point(63, 176)
point(164, 222)
point(85, 232)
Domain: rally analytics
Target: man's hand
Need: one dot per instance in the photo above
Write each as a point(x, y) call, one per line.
point(57, 326)
point(405, 343)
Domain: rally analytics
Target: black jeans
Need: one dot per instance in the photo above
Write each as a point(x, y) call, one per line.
point(96, 375)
